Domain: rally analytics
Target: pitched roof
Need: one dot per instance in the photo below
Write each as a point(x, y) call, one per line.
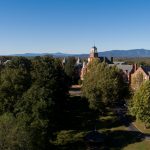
point(146, 69)
point(119, 62)
point(105, 59)
point(123, 67)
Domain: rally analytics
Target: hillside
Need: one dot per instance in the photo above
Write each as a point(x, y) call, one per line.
point(110, 53)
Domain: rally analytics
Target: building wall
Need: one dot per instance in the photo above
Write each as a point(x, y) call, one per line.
point(138, 77)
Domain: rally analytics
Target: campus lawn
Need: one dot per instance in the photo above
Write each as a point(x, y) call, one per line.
point(143, 145)
point(141, 127)
point(80, 120)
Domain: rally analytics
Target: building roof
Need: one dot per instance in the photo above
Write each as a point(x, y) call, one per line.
point(146, 69)
point(123, 67)
point(105, 59)
point(119, 62)
point(93, 49)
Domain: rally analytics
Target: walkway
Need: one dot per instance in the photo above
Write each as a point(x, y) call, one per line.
point(131, 127)
point(75, 90)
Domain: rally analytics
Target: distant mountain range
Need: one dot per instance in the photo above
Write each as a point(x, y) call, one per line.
point(111, 53)
point(127, 53)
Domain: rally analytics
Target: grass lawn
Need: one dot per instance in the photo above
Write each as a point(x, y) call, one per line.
point(123, 128)
point(79, 120)
point(143, 145)
point(141, 127)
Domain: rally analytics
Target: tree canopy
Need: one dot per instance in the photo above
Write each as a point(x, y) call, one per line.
point(140, 103)
point(14, 81)
point(71, 70)
point(13, 135)
point(103, 85)
point(34, 92)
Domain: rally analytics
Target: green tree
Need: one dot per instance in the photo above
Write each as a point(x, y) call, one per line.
point(34, 91)
point(15, 79)
point(103, 85)
point(70, 69)
point(140, 104)
point(13, 136)
point(42, 105)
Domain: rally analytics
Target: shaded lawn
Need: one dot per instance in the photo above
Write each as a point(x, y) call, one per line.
point(79, 120)
point(143, 145)
point(110, 120)
point(78, 116)
point(115, 140)
point(119, 139)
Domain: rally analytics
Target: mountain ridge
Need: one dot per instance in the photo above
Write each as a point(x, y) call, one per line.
point(110, 53)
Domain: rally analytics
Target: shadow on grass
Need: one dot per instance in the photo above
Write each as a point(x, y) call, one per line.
point(120, 139)
point(108, 122)
point(115, 119)
point(115, 140)
point(78, 116)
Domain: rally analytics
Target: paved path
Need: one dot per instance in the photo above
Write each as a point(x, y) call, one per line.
point(130, 125)
point(75, 90)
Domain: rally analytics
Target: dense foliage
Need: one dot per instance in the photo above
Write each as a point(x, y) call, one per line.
point(103, 85)
point(72, 70)
point(140, 104)
point(13, 134)
point(34, 93)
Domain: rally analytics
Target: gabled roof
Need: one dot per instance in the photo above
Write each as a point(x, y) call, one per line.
point(105, 59)
point(119, 62)
point(123, 67)
point(146, 69)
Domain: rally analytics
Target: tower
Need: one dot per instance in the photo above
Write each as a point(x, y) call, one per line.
point(93, 54)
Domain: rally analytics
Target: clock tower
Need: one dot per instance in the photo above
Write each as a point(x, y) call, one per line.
point(93, 54)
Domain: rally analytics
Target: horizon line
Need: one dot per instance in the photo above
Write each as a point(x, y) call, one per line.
point(61, 52)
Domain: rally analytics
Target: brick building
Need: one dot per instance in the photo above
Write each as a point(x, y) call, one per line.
point(126, 69)
point(139, 76)
point(94, 55)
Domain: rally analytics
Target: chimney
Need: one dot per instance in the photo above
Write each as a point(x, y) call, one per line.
point(112, 60)
point(135, 67)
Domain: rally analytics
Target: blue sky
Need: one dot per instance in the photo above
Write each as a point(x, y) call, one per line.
point(72, 26)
